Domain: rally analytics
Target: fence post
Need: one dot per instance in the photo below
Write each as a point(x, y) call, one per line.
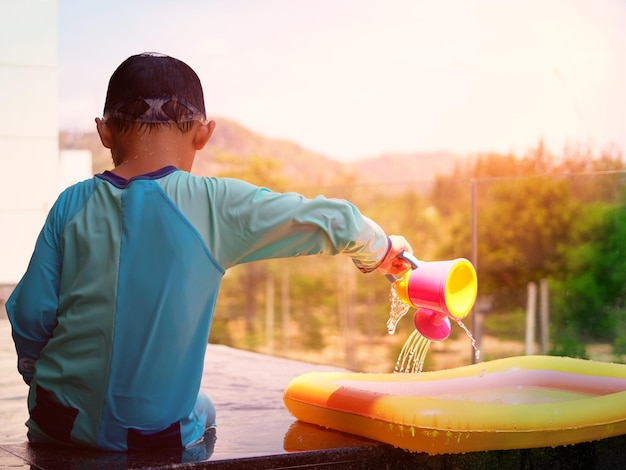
point(476, 328)
point(544, 316)
point(531, 309)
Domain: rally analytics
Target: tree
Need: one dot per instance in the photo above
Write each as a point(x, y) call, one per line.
point(590, 297)
point(522, 222)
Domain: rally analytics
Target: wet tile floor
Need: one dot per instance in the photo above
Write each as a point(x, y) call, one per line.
point(245, 387)
point(256, 432)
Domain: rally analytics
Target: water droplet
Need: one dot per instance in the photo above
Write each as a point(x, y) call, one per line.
point(398, 310)
point(469, 335)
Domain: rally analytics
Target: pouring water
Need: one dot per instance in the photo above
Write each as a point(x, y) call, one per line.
point(439, 291)
point(413, 354)
point(397, 311)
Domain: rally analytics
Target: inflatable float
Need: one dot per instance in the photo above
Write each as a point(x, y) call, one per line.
point(512, 403)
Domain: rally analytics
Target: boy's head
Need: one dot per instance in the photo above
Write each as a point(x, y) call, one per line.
point(153, 90)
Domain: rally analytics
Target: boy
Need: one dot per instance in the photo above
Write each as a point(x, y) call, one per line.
point(111, 319)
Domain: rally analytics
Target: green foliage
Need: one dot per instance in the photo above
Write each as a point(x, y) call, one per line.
point(545, 217)
point(539, 216)
point(311, 326)
point(220, 333)
point(520, 228)
point(591, 294)
point(560, 217)
point(409, 214)
point(567, 343)
point(505, 325)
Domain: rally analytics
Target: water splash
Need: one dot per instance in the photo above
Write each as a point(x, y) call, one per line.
point(398, 310)
point(469, 335)
point(413, 354)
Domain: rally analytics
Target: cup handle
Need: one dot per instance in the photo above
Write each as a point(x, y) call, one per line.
point(413, 261)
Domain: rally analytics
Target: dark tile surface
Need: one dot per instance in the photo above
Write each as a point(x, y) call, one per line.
point(303, 444)
point(247, 391)
point(600, 455)
point(255, 431)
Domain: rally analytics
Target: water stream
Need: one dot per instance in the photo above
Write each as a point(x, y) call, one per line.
point(398, 310)
point(413, 354)
point(472, 339)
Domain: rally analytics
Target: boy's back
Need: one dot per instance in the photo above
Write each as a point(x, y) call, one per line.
point(138, 288)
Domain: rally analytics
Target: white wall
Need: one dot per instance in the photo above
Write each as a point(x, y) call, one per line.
point(29, 171)
point(75, 166)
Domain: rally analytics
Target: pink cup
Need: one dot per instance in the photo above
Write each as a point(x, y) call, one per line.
point(443, 286)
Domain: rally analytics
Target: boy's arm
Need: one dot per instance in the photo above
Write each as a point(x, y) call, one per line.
point(32, 307)
point(263, 224)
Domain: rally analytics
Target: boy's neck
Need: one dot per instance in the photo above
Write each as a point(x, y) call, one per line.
point(141, 152)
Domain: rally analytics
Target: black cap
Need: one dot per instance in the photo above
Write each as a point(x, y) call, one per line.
point(154, 88)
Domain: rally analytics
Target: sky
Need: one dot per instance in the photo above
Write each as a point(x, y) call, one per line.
point(358, 78)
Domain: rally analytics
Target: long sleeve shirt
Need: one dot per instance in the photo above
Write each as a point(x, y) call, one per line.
point(117, 302)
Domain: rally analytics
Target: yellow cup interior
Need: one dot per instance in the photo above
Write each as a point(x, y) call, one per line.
point(460, 289)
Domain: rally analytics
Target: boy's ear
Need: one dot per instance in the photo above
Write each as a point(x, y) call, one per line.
point(104, 132)
point(202, 135)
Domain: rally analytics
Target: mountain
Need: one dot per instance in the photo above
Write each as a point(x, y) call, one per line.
point(297, 164)
point(406, 168)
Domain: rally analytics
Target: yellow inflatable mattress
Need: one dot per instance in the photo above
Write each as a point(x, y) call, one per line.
point(512, 403)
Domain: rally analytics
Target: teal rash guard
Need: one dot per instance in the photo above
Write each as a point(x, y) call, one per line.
point(112, 316)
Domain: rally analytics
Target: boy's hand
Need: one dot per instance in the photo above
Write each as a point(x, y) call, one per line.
point(392, 264)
